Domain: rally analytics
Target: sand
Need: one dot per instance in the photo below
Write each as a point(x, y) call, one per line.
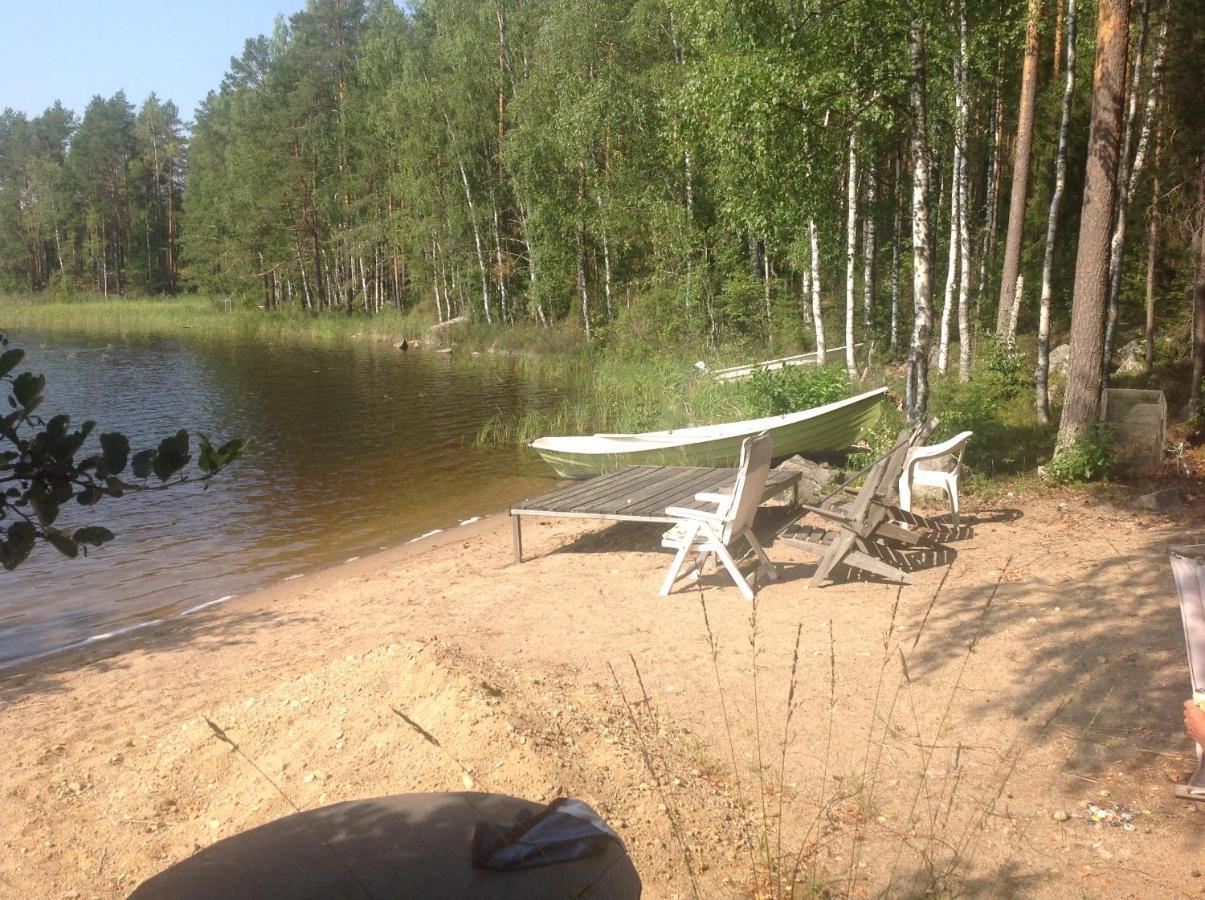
point(1010, 725)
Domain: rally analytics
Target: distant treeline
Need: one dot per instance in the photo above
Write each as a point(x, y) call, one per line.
point(691, 169)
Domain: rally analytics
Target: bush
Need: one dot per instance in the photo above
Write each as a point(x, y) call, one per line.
point(1004, 365)
point(1090, 458)
point(780, 391)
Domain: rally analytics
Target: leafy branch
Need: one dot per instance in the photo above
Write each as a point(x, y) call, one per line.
point(41, 468)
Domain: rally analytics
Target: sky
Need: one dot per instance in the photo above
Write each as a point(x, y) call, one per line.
point(70, 50)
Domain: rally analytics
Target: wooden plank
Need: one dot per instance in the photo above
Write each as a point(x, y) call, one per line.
point(564, 496)
point(620, 501)
point(679, 484)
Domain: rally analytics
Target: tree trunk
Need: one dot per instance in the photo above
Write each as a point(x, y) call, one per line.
point(922, 285)
point(948, 298)
point(1198, 296)
point(1042, 373)
point(817, 309)
point(579, 233)
point(1091, 291)
point(893, 342)
point(869, 253)
point(1021, 155)
point(1128, 175)
point(851, 251)
point(964, 201)
point(1152, 252)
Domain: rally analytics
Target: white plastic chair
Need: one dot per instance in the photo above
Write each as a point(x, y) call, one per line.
point(717, 532)
point(913, 475)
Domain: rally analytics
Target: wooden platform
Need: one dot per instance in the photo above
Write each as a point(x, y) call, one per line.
point(638, 494)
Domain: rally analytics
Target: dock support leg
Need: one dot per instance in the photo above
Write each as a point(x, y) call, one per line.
point(516, 529)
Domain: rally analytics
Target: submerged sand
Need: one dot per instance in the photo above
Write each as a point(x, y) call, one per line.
point(1009, 726)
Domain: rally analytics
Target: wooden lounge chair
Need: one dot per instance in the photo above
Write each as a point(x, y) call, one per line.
point(861, 533)
point(1188, 567)
point(716, 533)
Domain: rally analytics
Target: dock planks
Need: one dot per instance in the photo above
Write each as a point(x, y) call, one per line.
point(637, 494)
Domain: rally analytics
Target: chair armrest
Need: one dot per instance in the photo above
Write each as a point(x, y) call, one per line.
point(834, 515)
point(697, 515)
point(708, 497)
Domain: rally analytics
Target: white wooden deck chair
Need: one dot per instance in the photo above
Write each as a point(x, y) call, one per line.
point(716, 533)
point(913, 475)
point(1188, 566)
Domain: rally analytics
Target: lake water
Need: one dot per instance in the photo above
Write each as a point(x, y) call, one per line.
point(355, 448)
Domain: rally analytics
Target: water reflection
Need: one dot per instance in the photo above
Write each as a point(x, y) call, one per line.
point(355, 447)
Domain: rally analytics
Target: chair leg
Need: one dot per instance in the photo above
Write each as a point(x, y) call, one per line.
point(766, 567)
point(952, 490)
point(834, 554)
point(688, 541)
point(730, 564)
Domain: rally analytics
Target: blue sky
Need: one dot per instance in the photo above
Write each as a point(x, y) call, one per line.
point(72, 49)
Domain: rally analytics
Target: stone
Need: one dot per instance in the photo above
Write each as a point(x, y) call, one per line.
point(1060, 359)
point(816, 480)
point(1060, 815)
point(1131, 358)
point(1159, 501)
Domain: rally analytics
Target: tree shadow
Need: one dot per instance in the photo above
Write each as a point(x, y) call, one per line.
point(406, 845)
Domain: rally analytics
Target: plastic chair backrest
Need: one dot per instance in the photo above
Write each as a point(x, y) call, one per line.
point(756, 453)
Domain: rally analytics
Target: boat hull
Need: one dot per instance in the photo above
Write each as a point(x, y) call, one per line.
point(827, 433)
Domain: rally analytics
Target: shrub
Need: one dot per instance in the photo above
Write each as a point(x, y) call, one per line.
point(780, 391)
point(1090, 458)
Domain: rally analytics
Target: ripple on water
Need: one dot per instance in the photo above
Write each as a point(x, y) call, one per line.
point(354, 447)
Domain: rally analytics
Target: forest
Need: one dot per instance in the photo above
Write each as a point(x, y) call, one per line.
point(918, 181)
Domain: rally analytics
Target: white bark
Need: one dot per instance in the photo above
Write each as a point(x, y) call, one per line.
point(948, 298)
point(817, 310)
point(895, 262)
point(922, 283)
point(963, 188)
point(869, 240)
point(1042, 373)
point(851, 252)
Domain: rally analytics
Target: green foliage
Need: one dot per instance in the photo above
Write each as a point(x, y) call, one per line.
point(779, 391)
point(42, 469)
point(997, 405)
point(1089, 458)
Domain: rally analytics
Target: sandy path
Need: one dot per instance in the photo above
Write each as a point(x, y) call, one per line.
point(948, 776)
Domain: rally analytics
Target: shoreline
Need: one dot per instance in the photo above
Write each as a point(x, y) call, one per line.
point(18, 667)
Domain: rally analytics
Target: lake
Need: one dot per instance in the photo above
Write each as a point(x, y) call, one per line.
point(356, 447)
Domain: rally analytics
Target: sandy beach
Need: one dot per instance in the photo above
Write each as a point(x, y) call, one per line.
point(1009, 726)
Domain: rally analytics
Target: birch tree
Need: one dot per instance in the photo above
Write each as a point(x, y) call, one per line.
point(851, 251)
point(1042, 373)
point(922, 287)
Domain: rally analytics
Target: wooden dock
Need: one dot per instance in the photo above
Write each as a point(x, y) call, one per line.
point(639, 494)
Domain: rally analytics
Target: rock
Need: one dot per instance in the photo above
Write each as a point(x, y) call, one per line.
point(1131, 358)
point(815, 479)
point(468, 781)
point(1060, 815)
point(1060, 359)
point(1159, 501)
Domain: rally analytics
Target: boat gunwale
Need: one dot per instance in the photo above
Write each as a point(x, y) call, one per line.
point(696, 434)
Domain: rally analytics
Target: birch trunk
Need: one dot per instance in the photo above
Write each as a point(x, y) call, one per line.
point(606, 248)
point(579, 233)
point(1152, 253)
point(948, 298)
point(896, 225)
point(1042, 373)
point(817, 309)
point(964, 202)
point(922, 285)
point(869, 248)
point(1021, 156)
point(1198, 296)
point(851, 252)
